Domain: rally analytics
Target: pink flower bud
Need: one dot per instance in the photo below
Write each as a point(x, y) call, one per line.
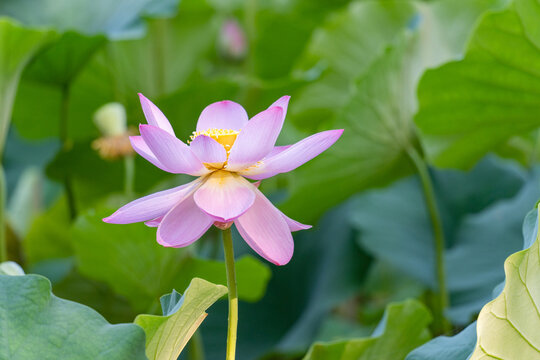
point(232, 41)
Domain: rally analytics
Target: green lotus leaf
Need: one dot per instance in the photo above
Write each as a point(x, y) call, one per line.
point(17, 47)
point(365, 82)
point(37, 325)
point(403, 328)
point(167, 335)
point(471, 106)
point(137, 267)
point(482, 208)
point(117, 19)
point(507, 327)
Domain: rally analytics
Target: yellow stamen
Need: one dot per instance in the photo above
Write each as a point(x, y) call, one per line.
point(226, 137)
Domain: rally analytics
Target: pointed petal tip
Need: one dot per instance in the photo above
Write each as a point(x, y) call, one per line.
point(142, 98)
point(112, 219)
point(285, 98)
point(276, 109)
point(336, 132)
point(339, 132)
point(282, 102)
point(280, 262)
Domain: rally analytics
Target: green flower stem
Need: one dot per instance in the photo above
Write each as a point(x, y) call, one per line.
point(440, 301)
point(64, 138)
point(129, 180)
point(3, 241)
point(233, 295)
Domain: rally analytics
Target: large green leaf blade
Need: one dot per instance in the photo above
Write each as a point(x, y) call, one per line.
point(457, 347)
point(157, 64)
point(471, 106)
point(136, 266)
point(507, 327)
point(167, 335)
point(60, 63)
point(17, 47)
point(38, 325)
point(405, 327)
point(480, 209)
point(340, 51)
point(372, 149)
point(123, 18)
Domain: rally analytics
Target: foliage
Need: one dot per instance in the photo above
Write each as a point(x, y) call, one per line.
point(507, 326)
point(167, 335)
point(484, 211)
point(403, 327)
point(18, 46)
point(452, 84)
point(37, 324)
point(457, 347)
point(140, 269)
point(473, 111)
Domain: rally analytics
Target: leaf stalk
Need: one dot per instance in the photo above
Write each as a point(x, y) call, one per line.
point(440, 301)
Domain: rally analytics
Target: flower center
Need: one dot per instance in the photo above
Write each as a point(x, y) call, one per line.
point(225, 137)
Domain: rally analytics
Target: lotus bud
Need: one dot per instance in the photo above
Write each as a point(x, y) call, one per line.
point(11, 268)
point(232, 41)
point(111, 121)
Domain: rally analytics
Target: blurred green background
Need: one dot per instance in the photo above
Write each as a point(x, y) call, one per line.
point(454, 81)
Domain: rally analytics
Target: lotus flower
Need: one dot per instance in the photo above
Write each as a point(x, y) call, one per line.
point(226, 149)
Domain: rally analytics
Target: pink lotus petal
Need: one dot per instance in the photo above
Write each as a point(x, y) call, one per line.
point(224, 114)
point(154, 116)
point(171, 152)
point(184, 224)
point(294, 156)
point(209, 151)
point(282, 102)
point(225, 196)
point(256, 139)
point(266, 231)
point(293, 224)
point(154, 222)
point(276, 150)
point(138, 144)
point(152, 206)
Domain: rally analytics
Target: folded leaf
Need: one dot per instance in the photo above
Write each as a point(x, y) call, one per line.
point(167, 335)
